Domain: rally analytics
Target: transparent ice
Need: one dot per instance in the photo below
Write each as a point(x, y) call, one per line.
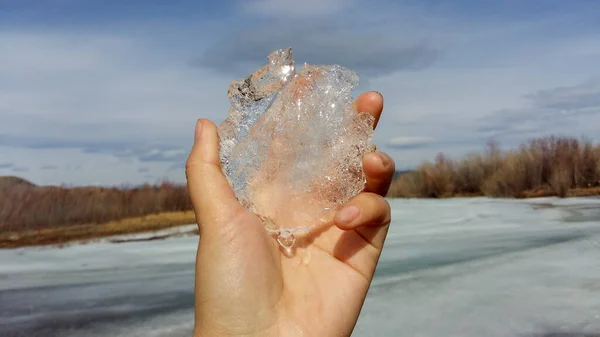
point(293, 143)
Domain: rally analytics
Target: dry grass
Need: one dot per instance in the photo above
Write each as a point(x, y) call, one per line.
point(32, 215)
point(63, 234)
point(28, 207)
point(550, 166)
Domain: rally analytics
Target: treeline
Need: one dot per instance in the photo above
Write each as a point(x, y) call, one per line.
point(547, 166)
point(24, 206)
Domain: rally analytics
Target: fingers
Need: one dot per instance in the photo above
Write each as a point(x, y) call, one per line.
point(211, 195)
point(379, 169)
point(371, 102)
point(369, 214)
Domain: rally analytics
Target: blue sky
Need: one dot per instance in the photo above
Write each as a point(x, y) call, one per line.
point(107, 92)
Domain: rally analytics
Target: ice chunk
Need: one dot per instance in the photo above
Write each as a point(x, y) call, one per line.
point(293, 142)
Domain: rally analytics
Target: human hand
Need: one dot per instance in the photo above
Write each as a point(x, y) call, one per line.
point(246, 286)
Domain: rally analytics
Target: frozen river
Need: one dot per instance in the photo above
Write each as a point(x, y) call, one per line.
point(459, 267)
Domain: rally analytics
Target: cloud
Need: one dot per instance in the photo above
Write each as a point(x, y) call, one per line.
point(565, 109)
point(370, 54)
point(110, 93)
point(20, 169)
point(143, 170)
point(121, 148)
point(56, 142)
point(581, 98)
point(6, 165)
point(177, 167)
point(74, 167)
point(101, 94)
point(166, 155)
point(410, 142)
point(49, 167)
point(293, 8)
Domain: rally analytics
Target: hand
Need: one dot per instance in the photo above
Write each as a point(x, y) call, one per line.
point(246, 286)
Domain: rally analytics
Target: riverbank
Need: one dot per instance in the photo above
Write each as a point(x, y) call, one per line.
point(547, 166)
point(527, 194)
point(155, 227)
point(91, 232)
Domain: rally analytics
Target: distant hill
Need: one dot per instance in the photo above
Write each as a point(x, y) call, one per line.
point(11, 182)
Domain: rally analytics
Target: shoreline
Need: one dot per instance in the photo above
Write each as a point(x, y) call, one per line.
point(60, 236)
point(528, 194)
point(165, 225)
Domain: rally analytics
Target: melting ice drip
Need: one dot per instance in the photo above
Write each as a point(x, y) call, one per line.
point(293, 143)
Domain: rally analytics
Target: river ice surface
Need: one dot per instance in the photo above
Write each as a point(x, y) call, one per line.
point(456, 267)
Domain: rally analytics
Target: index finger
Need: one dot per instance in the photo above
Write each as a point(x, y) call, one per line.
point(371, 102)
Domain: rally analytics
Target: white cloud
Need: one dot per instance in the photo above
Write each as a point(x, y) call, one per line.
point(293, 8)
point(465, 89)
point(566, 110)
point(410, 142)
point(74, 167)
point(117, 107)
point(570, 99)
point(100, 94)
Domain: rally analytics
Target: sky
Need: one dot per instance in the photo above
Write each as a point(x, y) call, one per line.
point(107, 92)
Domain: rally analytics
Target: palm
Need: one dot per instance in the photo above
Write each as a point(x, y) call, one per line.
point(331, 268)
point(334, 272)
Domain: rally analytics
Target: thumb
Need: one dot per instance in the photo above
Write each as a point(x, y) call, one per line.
point(212, 197)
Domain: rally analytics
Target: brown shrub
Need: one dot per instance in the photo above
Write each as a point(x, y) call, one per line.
point(25, 207)
point(437, 180)
point(509, 180)
point(470, 174)
point(407, 185)
point(560, 181)
point(549, 165)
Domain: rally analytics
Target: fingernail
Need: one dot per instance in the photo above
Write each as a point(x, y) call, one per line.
point(198, 130)
point(347, 215)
